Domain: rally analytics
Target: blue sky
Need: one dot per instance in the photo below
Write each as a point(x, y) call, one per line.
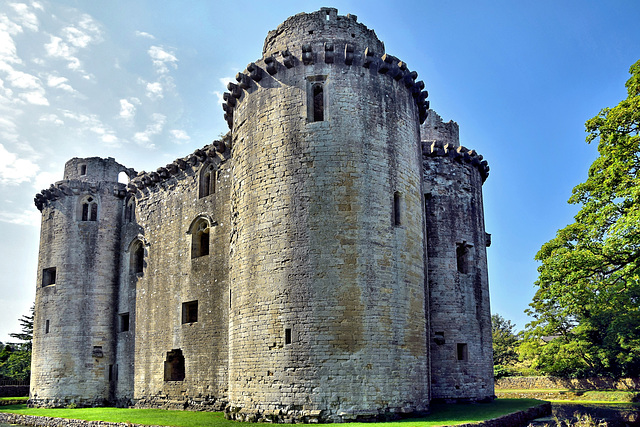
point(141, 81)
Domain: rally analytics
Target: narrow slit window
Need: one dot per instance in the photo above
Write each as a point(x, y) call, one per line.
point(397, 209)
point(318, 103)
point(46, 327)
point(462, 257)
point(124, 322)
point(136, 261)
point(83, 169)
point(49, 276)
point(129, 212)
point(287, 336)
point(462, 351)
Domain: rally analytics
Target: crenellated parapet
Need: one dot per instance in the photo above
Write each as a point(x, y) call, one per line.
point(309, 49)
point(217, 151)
point(459, 154)
point(75, 187)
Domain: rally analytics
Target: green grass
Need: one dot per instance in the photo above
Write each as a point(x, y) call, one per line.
point(440, 415)
point(15, 398)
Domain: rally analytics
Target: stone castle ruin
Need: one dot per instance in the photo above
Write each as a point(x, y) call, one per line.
point(325, 261)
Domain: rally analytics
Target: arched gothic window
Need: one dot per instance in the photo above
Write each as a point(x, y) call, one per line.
point(208, 180)
point(89, 209)
point(136, 257)
point(129, 211)
point(200, 238)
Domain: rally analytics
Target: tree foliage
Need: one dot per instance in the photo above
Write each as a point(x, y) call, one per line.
point(15, 358)
point(588, 298)
point(505, 343)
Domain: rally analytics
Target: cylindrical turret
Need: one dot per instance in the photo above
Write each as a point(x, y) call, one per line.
point(327, 317)
point(460, 317)
point(74, 345)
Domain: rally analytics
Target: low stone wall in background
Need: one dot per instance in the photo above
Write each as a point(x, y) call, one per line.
point(14, 390)
point(543, 383)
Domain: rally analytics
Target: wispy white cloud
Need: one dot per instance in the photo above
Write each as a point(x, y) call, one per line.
point(179, 136)
point(29, 217)
point(25, 17)
point(72, 40)
point(145, 35)
point(59, 83)
point(14, 170)
point(153, 128)
point(162, 59)
point(155, 90)
point(91, 123)
point(128, 108)
point(51, 118)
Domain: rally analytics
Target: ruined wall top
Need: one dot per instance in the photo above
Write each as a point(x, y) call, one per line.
point(321, 26)
point(434, 129)
point(95, 169)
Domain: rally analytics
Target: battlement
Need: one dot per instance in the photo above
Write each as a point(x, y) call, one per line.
point(434, 128)
point(322, 37)
point(319, 27)
point(74, 187)
point(461, 154)
point(218, 150)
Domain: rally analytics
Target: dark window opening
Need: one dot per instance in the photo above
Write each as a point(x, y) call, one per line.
point(83, 169)
point(318, 103)
point(208, 182)
point(462, 351)
point(124, 322)
point(137, 258)
point(129, 213)
point(97, 351)
point(174, 366)
point(49, 276)
point(397, 211)
point(46, 327)
point(462, 257)
point(190, 312)
point(200, 240)
point(89, 209)
point(287, 336)
point(439, 338)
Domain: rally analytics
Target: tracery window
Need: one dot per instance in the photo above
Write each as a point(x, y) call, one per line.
point(208, 180)
point(89, 209)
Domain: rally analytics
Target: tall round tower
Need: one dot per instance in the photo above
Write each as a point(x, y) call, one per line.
point(74, 343)
point(460, 318)
point(327, 317)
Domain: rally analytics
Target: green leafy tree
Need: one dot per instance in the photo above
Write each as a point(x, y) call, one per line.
point(15, 359)
point(587, 307)
point(505, 343)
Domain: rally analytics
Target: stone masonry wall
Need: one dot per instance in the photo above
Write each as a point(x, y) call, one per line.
point(460, 336)
point(167, 214)
point(327, 306)
point(73, 346)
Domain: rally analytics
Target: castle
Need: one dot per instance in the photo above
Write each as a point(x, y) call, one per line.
point(324, 261)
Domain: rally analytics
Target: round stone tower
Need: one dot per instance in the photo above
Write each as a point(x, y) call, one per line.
point(327, 317)
point(74, 343)
point(460, 328)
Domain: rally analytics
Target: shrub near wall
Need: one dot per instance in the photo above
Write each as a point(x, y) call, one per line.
point(14, 390)
point(543, 383)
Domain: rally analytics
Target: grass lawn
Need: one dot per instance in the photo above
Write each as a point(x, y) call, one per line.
point(25, 398)
point(440, 415)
